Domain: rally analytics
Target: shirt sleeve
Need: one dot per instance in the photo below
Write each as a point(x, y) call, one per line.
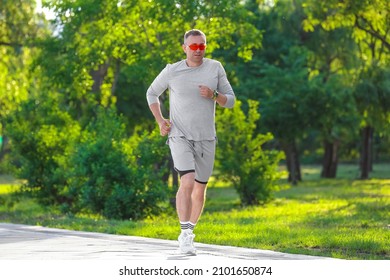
point(158, 86)
point(225, 88)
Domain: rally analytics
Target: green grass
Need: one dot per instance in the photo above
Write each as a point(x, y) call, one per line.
point(342, 218)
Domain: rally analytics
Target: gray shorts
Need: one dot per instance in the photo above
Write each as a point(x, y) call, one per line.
point(193, 156)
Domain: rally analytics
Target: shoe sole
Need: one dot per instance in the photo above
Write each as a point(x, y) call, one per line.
point(189, 253)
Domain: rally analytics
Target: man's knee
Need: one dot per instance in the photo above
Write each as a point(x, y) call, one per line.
point(187, 180)
point(199, 191)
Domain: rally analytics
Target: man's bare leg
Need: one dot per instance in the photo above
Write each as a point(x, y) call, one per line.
point(183, 197)
point(198, 200)
point(190, 199)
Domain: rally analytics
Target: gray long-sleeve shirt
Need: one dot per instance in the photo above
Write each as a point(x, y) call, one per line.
point(191, 115)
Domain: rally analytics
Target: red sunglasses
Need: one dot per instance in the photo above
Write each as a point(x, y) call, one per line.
point(194, 47)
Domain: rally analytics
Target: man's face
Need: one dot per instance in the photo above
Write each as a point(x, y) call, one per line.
point(195, 56)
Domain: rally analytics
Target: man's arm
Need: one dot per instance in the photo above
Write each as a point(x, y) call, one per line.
point(228, 98)
point(164, 124)
point(206, 92)
point(158, 86)
point(221, 99)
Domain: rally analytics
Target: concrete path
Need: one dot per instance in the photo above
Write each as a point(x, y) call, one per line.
point(23, 242)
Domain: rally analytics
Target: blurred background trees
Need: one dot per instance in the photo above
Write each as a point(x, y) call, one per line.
point(75, 124)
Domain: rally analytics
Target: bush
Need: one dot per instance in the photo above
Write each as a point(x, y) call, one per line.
point(42, 137)
point(98, 169)
point(240, 158)
point(114, 175)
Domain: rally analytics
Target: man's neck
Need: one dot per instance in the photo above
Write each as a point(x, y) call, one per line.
point(193, 64)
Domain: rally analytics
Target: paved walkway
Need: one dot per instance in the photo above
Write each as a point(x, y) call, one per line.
point(23, 242)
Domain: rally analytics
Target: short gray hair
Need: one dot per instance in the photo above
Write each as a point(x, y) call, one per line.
point(194, 32)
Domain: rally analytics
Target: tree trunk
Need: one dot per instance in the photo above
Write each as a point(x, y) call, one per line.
point(372, 155)
point(292, 161)
point(116, 76)
point(330, 161)
point(1, 148)
point(366, 154)
point(4, 147)
point(98, 76)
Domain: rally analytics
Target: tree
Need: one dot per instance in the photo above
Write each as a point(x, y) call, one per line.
point(304, 42)
point(105, 46)
point(278, 77)
point(375, 110)
point(331, 60)
point(285, 112)
point(369, 22)
point(20, 30)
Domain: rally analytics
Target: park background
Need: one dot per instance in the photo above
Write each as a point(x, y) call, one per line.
point(303, 159)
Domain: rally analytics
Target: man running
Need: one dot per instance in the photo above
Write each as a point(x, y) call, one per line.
point(196, 84)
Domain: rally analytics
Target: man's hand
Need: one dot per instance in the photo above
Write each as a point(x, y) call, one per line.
point(165, 127)
point(206, 92)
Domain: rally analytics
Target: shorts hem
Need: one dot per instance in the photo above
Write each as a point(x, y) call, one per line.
point(184, 172)
point(200, 182)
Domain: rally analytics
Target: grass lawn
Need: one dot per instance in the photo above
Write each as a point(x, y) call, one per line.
point(342, 218)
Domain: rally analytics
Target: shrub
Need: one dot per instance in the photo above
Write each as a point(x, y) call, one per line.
point(42, 137)
point(112, 174)
point(98, 169)
point(240, 157)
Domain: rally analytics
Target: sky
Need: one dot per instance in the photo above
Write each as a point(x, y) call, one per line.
point(48, 14)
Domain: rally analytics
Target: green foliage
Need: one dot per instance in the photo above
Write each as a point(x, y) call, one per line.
point(19, 24)
point(241, 158)
point(98, 170)
point(305, 76)
point(128, 43)
point(113, 175)
point(367, 19)
point(20, 30)
point(372, 95)
point(42, 137)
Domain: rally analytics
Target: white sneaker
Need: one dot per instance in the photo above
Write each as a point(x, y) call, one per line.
point(186, 242)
